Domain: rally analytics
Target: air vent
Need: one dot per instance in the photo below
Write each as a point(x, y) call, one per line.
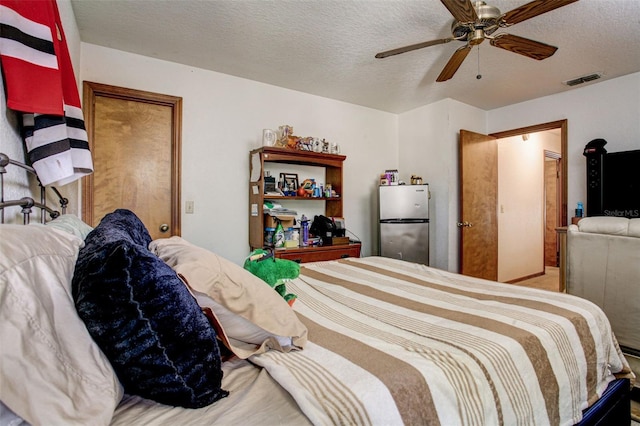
point(583, 79)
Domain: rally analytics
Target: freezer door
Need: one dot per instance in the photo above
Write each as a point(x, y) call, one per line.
point(406, 241)
point(404, 202)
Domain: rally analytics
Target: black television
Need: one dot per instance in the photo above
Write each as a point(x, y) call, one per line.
point(621, 184)
point(613, 181)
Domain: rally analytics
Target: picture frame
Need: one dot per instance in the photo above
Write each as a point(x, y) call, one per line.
point(291, 181)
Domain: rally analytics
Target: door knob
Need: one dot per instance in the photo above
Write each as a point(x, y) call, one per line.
point(164, 227)
point(465, 224)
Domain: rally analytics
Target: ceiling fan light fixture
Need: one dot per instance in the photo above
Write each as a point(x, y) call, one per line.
point(488, 16)
point(476, 37)
point(488, 21)
point(583, 79)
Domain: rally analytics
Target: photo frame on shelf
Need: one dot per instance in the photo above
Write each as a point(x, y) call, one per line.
point(290, 180)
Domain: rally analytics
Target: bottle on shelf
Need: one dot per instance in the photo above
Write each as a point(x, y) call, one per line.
point(304, 227)
point(269, 234)
point(278, 238)
point(327, 191)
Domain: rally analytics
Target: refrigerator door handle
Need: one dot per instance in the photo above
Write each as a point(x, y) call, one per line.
point(404, 221)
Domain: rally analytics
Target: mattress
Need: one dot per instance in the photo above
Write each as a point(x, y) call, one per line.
point(394, 342)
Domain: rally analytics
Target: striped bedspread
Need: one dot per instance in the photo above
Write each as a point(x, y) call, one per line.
point(393, 342)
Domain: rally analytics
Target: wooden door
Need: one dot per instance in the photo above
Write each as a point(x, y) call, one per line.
point(478, 205)
point(551, 193)
point(134, 138)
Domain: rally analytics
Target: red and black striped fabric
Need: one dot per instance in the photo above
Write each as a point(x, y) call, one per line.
point(40, 83)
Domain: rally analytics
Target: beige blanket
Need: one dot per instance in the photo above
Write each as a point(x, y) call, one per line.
point(395, 342)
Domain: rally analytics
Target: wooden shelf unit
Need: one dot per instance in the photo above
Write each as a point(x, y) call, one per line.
point(332, 164)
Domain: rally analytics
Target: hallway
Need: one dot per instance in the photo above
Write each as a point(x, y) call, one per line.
point(549, 281)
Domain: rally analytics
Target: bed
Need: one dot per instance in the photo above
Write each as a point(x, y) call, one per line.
point(105, 326)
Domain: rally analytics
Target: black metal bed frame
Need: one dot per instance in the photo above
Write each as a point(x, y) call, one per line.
point(28, 203)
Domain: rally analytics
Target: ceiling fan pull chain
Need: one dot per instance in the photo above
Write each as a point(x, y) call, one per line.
point(479, 76)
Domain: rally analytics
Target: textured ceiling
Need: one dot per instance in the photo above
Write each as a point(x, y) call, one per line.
point(327, 47)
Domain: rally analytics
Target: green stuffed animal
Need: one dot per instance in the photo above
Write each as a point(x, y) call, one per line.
point(275, 272)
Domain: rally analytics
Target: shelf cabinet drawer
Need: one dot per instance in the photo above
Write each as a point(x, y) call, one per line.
point(317, 254)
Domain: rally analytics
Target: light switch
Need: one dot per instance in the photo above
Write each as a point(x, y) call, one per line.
point(188, 207)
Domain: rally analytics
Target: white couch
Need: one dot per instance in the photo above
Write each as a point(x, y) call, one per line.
point(603, 266)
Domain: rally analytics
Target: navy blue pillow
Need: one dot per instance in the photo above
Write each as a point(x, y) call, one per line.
point(144, 319)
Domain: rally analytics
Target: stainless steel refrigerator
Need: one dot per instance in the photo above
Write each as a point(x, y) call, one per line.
point(404, 222)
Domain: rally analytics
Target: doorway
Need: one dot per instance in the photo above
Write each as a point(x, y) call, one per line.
point(484, 222)
point(562, 127)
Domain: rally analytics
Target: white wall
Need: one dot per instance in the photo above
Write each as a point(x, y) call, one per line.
point(11, 145)
point(608, 110)
point(222, 120)
point(428, 145)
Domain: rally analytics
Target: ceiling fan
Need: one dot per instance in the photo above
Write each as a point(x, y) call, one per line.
point(476, 21)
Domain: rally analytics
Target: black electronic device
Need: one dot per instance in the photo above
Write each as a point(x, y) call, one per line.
point(595, 152)
point(596, 146)
point(327, 229)
point(613, 181)
point(323, 227)
point(621, 184)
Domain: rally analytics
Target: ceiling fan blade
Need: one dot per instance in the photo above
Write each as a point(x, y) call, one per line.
point(523, 46)
point(462, 10)
point(454, 63)
point(412, 47)
point(532, 9)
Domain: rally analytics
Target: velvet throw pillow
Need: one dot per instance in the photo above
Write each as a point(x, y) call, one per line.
point(142, 316)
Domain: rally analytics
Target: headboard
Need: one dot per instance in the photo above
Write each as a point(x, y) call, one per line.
point(27, 203)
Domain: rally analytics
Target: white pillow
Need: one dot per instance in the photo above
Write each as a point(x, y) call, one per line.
point(52, 371)
point(243, 330)
point(255, 317)
point(71, 224)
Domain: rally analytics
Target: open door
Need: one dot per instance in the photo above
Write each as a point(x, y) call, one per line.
point(478, 205)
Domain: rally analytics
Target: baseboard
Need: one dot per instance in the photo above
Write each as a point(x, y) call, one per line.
point(528, 277)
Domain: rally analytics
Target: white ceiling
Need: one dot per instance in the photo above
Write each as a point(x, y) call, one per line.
point(327, 47)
